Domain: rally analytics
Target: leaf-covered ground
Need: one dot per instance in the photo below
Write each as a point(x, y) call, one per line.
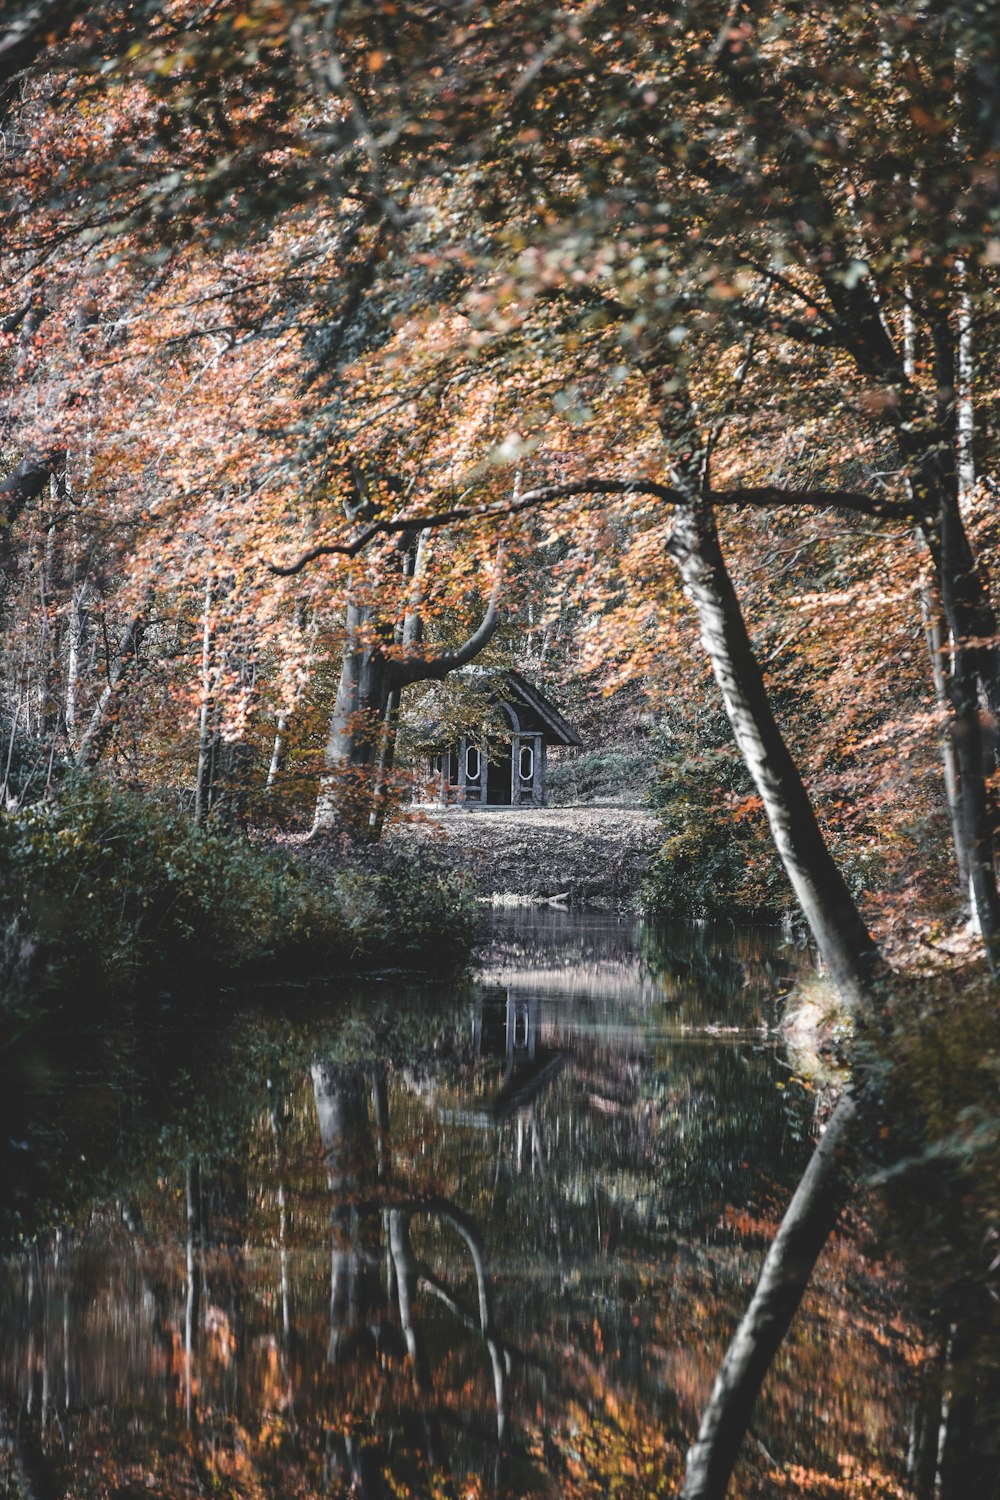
point(593, 854)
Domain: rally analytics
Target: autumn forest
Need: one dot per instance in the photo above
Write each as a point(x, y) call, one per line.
point(354, 355)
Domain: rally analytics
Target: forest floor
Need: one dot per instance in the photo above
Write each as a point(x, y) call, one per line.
point(597, 855)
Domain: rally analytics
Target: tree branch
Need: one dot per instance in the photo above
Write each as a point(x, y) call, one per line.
point(91, 745)
point(23, 484)
point(753, 495)
point(774, 497)
point(532, 500)
point(425, 669)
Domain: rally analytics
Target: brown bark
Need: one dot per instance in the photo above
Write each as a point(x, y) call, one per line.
point(361, 746)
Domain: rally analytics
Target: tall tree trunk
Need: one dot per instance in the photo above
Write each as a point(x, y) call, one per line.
point(965, 411)
point(51, 718)
point(841, 935)
point(934, 630)
point(977, 810)
point(355, 727)
point(847, 949)
point(382, 791)
point(409, 637)
point(370, 683)
point(203, 776)
point(942, 475)
point(76, 637)
point(277, 749)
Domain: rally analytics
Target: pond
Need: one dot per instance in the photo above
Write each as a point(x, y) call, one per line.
point(476, 1238)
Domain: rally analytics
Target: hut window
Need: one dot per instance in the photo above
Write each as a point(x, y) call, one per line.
point(526, 762)
point(452, 760)
point(473, 763)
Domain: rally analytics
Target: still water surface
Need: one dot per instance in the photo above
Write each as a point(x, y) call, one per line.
point(388, 1240)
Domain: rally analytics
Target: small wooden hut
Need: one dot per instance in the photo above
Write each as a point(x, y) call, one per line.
point(474, 775)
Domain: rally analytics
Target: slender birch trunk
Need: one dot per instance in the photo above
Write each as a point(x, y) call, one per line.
point(203, 774)
point(935, 627)
point(277, 749)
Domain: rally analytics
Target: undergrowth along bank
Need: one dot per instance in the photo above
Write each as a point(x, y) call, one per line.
point(101, 891)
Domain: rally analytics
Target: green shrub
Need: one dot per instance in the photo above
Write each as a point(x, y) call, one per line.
point(429, 911)
point(717, 856)
point(599, 774)
point(99, 889)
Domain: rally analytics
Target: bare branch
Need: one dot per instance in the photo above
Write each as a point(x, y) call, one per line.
point(768, 496)
point(532, 500)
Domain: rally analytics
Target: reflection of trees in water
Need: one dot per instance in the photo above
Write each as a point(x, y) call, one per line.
point(702, 970)
point(336, 1269)
point(938, 1208)
point(718, 962)
point(665, 1117)
point(371, 1232)
point(160, 1322)
point(954, 1447)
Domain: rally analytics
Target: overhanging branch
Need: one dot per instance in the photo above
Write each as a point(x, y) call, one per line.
point(758, 496)
point(532, 500)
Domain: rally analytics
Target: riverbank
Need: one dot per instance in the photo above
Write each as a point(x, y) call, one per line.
point(596, 856)
point(105, 897)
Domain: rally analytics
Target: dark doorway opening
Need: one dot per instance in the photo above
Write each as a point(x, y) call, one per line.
point(498, 773)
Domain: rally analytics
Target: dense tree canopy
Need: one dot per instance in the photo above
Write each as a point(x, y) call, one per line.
point(343, 344)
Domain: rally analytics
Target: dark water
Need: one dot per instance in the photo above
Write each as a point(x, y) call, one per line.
point(439, 1240)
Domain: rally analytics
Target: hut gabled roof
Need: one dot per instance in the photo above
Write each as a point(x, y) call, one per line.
point(557, 730)
point(536, 713)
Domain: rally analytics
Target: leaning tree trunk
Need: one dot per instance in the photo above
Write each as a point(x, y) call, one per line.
point(102, 718)
point(849, 952)
point(844, 942)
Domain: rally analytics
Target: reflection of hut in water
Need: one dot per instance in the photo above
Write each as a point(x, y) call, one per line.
point(511, 772)
point(506, 1026)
